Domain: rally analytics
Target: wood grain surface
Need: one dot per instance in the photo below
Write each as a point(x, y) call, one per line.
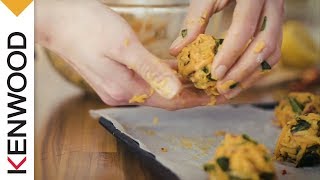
point(69, 144)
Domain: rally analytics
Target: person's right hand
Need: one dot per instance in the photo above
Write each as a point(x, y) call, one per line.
point(103, 48)
point(252, 43)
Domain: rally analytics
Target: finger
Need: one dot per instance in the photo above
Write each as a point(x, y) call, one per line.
point(173, 63)
point(244, 22)
point(153, 70)
point(259, 51)
point(128, 50)
point(194, 24)
point(113, 82)
point(189, 97)
point(257, 74)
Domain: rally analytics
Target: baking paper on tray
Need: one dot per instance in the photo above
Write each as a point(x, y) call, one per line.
point(184, 140)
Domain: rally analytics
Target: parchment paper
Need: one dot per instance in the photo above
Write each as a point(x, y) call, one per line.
point(189, 135)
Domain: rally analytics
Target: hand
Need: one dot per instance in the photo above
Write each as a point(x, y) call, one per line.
point(253, 39)
point(101, 46)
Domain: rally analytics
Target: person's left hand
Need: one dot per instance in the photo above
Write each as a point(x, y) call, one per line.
point(251, 46)
point(104, 50)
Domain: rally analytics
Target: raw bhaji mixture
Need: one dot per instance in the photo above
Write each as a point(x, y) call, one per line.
point(296, 103)
point(194, 62)
point(299, 141)
point(240, 157)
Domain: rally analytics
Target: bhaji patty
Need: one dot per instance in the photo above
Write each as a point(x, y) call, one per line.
point(194, 62)
point(296, 104)
point(299, 141)
point(240, 157)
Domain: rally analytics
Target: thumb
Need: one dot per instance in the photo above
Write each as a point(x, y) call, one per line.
point(125, 48)
point(153, 70)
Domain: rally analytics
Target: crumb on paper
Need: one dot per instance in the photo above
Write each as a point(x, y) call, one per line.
point(259, 47)
point(155, 120)
point(284, 172)
point(220, 133)
point(126, 42)
point(138, 98)
point(163, 149)
point(150, 132)
point(186, 143)
point(147, 131)
point(204, 147)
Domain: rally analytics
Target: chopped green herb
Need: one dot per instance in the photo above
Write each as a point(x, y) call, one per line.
point(232, 86)
point(208, 167)
point(298, 149)
point(264, 23)
point(266, 158)
point(205, 69)
point(300, 126)
point(232, 177)
point(266, 176)
point(246, 137)
point(223, 162)
point(210, 78)
point(218, 43)
point(309, 99)
point(184, 32)
point(295, 105)
point(265, 65)
point(311, 157)
point(314, 148)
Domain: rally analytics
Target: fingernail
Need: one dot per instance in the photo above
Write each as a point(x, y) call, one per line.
point(219, 72)
point(233, 93)
point(167, 87)
point(176, 42)
point(259, 58)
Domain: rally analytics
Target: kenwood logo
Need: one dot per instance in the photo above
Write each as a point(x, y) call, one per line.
point(16, 89)
point(16, 136)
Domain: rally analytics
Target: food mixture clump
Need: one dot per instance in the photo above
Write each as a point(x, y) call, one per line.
point(240, 157)
point(194, 62)
point(299, 141)
point(296, 104)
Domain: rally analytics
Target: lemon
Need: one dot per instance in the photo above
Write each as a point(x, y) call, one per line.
point(298, 48)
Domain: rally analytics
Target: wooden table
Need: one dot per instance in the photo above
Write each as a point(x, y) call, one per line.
point(69, 144)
